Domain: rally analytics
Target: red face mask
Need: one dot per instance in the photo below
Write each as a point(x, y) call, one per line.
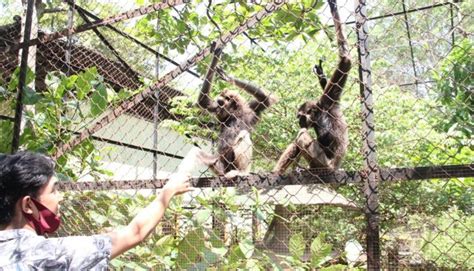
point(48, 221)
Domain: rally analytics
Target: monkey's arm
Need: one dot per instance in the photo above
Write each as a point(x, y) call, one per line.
point(304, 145)
point(333, 89)
point(204, 101)
point(288, 157)
point(318, 70)
point(262, 101)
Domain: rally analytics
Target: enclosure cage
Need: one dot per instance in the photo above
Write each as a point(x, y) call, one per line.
point(110, 90)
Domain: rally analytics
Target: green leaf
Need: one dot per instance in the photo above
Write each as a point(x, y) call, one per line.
point(215, 240)
point(30, 97)
point(84, 82)
point(14, 81)
point(336, 267)
point(247, 248)
point(117, 263)
point(221, 251)
point(297, 245)
point(66, 84)
point(320, 251)
point(136, 266)
point(98, 218)
point(164, 245)
point(259, 214)
point(235, 254)
point(252, 264)
point(30, 76)
point(99, 100)
point(181, 26)
point(13, 84)
point(190, 247)
point(212, 256)
point(201, 217)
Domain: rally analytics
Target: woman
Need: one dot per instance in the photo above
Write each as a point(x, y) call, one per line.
point(29, 207)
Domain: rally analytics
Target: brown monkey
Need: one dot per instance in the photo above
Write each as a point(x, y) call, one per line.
point(324, 115)
point(237, 119)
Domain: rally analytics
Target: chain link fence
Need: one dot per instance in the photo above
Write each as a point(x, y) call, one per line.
point(110, 90)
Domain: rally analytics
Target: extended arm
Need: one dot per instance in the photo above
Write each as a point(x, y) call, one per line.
point(146, 220)
point(333, 89)
point(204, 101)
point(262, 101)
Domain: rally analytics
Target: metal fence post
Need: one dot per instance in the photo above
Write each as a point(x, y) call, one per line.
point(370, 158)
point(156, 108)
point(22, 76)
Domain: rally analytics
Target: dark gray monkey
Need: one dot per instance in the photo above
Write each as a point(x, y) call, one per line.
point(323, 115)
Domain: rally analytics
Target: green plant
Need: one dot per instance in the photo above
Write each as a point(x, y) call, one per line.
point(453, 82)
point(447, 242)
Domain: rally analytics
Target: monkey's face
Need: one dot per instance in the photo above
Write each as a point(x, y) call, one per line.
point(306, 114)
point(229, 104)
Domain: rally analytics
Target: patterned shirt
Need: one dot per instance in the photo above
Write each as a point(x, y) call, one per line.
point(24, 250)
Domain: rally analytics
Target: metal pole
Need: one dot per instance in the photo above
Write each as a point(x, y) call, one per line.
point(70, 25)
point(401, 13)
point(410, 43)
point(370, 158)
point(156, 108)
point(451, 12)
point(22, 77)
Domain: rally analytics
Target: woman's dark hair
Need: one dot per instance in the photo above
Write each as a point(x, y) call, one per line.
point(21, 174)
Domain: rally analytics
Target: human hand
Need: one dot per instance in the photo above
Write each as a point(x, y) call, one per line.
point(177, 184)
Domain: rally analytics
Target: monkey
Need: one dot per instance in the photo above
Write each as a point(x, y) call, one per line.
point(324, 115)
point(237, 119)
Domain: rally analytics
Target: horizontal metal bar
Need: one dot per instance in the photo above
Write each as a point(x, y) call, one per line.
point(423, 173)
point(3, 117)
point(135, 147)
point(417, 83)
point(302, 178)
point(401, 12)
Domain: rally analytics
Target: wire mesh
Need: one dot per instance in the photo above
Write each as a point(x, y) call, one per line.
point(114, 100)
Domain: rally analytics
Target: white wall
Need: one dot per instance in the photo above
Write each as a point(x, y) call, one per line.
point(132, 164)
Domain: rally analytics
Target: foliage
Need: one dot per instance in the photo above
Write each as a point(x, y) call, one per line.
point(9, 9)
point(52, 116)
point(445, 240)
point(454, 81)
point(440, 240)
point(102, 211)
point(179, 30)
point(196, 246)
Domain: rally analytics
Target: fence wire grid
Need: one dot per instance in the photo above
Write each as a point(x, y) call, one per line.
point(110, 89)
